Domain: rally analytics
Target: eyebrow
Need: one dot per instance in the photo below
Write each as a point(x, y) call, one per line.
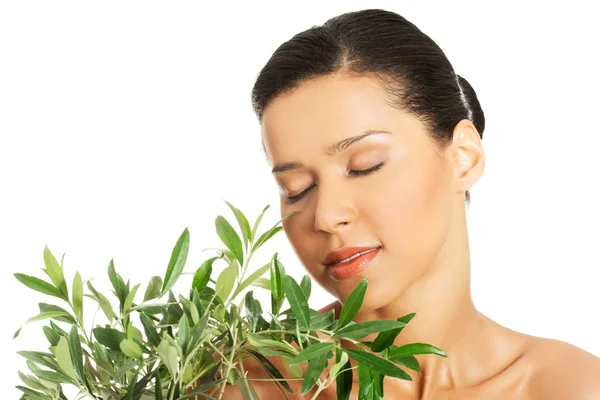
point(330, 151)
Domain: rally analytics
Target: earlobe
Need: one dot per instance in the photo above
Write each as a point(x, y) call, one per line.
point(469, 158)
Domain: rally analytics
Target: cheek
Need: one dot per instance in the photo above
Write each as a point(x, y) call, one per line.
point(414, 215)
point(295, 229)
point(308, 246)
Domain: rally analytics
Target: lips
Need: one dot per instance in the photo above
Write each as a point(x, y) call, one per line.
point(352, 265)
point(336, 256)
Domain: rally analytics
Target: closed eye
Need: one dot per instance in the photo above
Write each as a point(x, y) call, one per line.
point(354, 173)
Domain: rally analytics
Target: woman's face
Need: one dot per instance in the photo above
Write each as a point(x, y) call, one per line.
point(405, 206)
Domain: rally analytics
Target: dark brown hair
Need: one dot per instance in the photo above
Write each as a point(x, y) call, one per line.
point(381, 44)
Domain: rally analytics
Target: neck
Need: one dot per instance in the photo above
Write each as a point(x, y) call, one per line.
point(446, 318)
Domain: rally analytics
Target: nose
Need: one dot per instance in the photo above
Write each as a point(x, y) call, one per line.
point(334, 210)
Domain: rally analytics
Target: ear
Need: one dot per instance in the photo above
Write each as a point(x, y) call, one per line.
point(466, 153)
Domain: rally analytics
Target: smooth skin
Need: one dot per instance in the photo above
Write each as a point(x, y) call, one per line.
point(414, 207)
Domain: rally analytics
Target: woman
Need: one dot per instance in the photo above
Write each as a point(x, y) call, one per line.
point(376, 140)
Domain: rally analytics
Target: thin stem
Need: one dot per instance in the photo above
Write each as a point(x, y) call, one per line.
point(274, 379)
point(291, 332)
point(230, 365)
point(217, 350)
point(319, 389)
point(241, 362)
point(342, 370)
point(298, 335)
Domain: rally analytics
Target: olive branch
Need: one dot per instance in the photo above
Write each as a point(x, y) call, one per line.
point(192, 347)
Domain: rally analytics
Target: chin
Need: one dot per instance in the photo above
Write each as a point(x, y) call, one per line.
point(381, 290)
point(377, 297)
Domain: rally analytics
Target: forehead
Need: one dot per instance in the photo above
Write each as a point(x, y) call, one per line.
point(323, 110)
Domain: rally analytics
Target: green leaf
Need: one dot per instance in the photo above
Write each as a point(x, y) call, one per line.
point(251, 279)
point(158, 394)
point(45, 359)
point(253, 310)
point(270, 368)
point(276, 282)
point(54, 376)
point(58, 329)
point(230, 238)
point(409, 362)
point(386, 339)
point(315, 368)
point(265, 283)
point(175, 311)
point(63, 357)
point(34, 382)
point(258, 340)
point(305, 285)
point(344, 379)
point(247, 390)
point(132, 385)
point(196, 334)
point(168, 355)
point(257, 223)
point(30, 393)
point(365, 382)
point(377, 380)
point(313, 351)
point(362, 329)
point(78, 296)
point(117, 283)
point(414, 348)
point(202, 388)
point(272, 352)
point(242, 222)
point(153, 288)
point(39, 285)
point(190, 310)
point(378, 364)
point(297, 301)
point(226, 280)
point(103, 301)
point(265, 236)
point(130, 348)
point(339, 364)
point(353, 303)
point(219, 313)
point(65, 317)
point(55, 273)
point(153, 309)
point(295, 370)
point(150, 329)
point(322, 321)
point(183, 334)
point(195, 296)
point(76, 352)
point(268, 234)
point(129, 299)
point(52, 336)
point(109, 337)
point(49, 314)
point(177, 261)
point(202, 274)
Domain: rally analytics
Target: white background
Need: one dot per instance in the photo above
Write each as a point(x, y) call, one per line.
point(123, 123)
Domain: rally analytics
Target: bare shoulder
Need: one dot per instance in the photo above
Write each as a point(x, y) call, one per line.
point(563, 371)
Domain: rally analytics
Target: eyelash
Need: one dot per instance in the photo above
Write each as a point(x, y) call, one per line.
point(353, 174)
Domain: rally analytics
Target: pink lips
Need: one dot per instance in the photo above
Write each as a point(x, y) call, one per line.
point(347, 269)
